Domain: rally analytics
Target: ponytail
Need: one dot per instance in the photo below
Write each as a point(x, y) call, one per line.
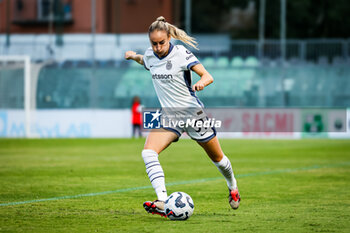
point(173, 31)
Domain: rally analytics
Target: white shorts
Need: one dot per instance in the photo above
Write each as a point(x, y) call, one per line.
point(201, 133)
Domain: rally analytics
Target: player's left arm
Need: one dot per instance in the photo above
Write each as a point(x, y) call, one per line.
point(205, 80)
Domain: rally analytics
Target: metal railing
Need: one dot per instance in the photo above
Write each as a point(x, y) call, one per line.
point(310, 49)
point(111, 47)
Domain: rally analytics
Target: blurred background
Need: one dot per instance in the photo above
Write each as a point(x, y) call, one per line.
point(62, 72)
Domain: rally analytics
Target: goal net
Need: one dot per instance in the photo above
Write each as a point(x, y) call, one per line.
point(15, 96)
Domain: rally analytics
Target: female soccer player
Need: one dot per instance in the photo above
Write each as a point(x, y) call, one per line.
point(171, 67)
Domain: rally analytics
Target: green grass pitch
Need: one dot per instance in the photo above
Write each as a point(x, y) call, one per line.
point(99, 185)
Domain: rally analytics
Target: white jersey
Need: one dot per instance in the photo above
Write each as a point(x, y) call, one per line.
point(171, 77)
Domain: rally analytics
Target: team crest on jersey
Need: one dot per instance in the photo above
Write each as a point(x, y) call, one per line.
point(168, 65)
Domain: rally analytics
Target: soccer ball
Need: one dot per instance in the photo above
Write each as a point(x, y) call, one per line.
point(179, 206)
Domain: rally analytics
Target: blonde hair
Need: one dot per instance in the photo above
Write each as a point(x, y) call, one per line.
point(173, 31)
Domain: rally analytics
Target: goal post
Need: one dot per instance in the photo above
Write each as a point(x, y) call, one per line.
point(18, 62)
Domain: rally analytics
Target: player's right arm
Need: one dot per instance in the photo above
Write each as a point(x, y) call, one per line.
point(131, 55)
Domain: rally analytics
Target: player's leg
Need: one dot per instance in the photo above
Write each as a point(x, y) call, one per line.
point(160, 139)
point(133, 130)
point(156, 142)
point(139, 130)
point(214, 151)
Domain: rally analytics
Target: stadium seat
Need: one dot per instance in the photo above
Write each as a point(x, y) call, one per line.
point(222, 62)
point(69, 63)
point(208, 62)
point(237, 62)
point(53, 65)
point(84, 63)
point(247, 73)
point(323, 60)
point(265, 61)
point(106, 63)
point(233, 85)
point(296, 61)
point(338, 61)
point(251, 62)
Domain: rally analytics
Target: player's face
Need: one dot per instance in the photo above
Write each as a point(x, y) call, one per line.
point(160, 42)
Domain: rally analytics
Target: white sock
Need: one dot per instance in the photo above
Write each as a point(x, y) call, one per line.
point(225, 168)
point(155, 173)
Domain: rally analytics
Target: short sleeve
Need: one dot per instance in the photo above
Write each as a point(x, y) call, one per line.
point(187, 59)
point(145, 61)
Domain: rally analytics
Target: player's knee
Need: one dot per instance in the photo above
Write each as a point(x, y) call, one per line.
point(148, 154)
point(152, 147)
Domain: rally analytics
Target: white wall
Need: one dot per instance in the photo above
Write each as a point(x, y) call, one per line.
point(67, 123)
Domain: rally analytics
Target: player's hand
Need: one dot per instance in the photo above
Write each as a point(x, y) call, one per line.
point(198, 86)
point(129, 55)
